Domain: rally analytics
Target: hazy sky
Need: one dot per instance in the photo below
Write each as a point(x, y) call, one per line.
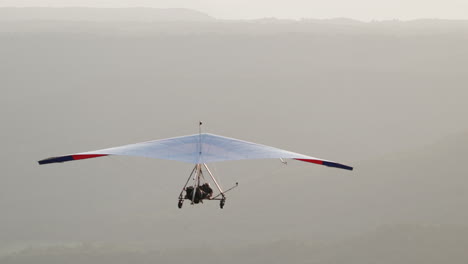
point(239, 9)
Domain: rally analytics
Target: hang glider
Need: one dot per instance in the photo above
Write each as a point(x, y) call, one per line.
point(197, 149)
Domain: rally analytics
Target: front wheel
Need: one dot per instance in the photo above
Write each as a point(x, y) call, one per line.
point(221, 203)
point(180, 203)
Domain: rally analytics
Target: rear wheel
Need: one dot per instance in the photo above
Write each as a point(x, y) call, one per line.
point(180, 203)
point(221, 203)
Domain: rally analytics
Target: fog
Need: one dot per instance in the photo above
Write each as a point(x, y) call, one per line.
point(388, 98)
point(292, 9)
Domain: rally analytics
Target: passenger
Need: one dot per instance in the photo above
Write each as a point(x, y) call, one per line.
point(199, 194)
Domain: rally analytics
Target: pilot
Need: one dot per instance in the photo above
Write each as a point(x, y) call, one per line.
point(206, 188)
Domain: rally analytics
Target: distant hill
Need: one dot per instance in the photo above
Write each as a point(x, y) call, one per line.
point(405, 244)
point(101, 14)
point(179, 21)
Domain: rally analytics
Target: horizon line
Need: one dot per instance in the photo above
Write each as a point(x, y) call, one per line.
point(244, 19)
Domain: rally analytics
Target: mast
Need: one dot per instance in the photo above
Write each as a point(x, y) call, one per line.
point(200, 123)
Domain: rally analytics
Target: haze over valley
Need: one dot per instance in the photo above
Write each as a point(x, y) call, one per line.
point(387, 97)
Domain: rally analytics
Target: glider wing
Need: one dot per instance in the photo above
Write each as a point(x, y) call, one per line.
point(198, 148)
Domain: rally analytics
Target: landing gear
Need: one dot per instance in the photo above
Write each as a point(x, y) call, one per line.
point(221, 203)
point(180, 203)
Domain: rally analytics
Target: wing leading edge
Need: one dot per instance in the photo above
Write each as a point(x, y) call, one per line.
point(198, 148)
point(69, 158)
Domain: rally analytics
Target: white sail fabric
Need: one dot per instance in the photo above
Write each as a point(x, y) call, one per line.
point(198, 148)
point(203, 148)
